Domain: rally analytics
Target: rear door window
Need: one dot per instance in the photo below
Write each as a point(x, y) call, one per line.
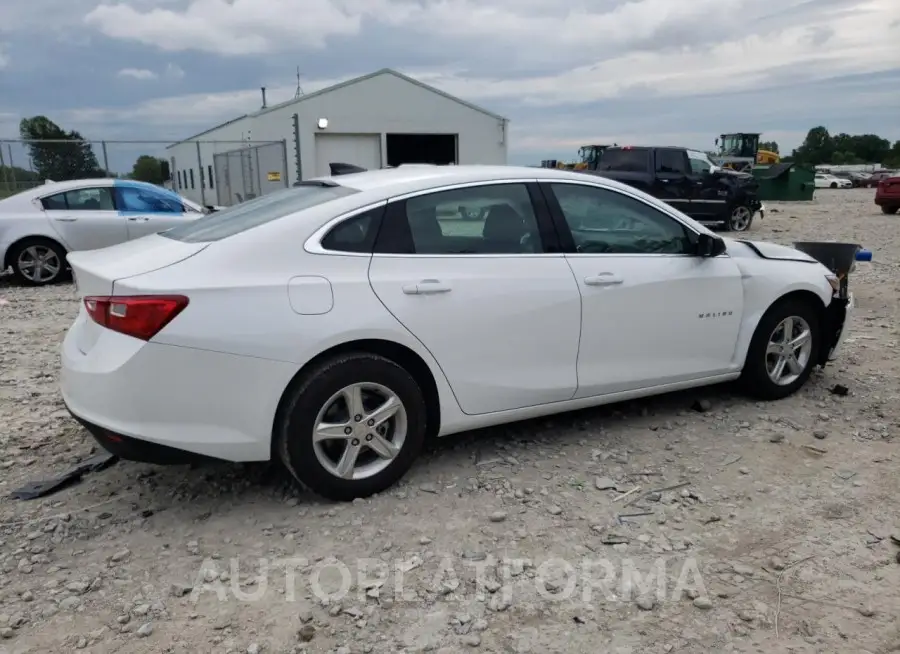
point(83, 199)
point(481, 219)
point(626, 160)
point(247, 215)
point(671, 161)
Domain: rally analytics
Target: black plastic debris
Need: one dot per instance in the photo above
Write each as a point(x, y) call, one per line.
point(35, 489)
point(839, 390)
point(701, 406)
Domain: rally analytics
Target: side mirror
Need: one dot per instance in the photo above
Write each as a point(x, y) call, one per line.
point(710, 246)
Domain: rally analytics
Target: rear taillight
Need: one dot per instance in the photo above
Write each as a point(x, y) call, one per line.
point(140, 316)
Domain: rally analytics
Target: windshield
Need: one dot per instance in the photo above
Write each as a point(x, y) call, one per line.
point(740, 145)
point(261, 210)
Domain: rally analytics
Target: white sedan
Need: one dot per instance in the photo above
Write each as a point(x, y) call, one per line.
point(824, 180)
point(337, 324)
point(39, 226)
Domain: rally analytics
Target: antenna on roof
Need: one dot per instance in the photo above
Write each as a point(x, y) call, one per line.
point(299, 92)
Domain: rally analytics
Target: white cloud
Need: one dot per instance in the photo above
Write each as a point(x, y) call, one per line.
point(544, 64)
point(238, 27)
point(755, 47)
point(174, 71)
point(137, 73)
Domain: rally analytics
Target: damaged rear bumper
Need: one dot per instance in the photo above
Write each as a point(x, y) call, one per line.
point(837, 322)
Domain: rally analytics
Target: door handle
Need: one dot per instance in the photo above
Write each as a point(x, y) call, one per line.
point(603, 279)
point(139, 219)
point(426, 287)
point(65, 220)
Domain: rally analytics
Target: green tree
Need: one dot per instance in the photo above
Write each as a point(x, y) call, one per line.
point(148, 169)
point(871, 148)
point(14, 179)
point(772, 146)
point(57, 154)
point(817, 148)
point(893, 158)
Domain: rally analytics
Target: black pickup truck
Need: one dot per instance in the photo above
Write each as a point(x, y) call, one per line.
point(688, 180)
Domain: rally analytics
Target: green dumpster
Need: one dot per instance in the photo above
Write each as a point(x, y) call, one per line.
point(784, 182)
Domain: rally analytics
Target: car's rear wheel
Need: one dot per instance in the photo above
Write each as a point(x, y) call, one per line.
point(741, 218)
point(890, 211)
point(783, 351)
point(38, 262)
point(353, 427)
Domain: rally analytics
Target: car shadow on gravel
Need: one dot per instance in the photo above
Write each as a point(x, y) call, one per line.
point(211, 487)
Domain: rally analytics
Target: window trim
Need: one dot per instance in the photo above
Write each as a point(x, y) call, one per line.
point(110, 187)
point(313, 245)
point(378, 218)
point(568, 242)
point(548, 232)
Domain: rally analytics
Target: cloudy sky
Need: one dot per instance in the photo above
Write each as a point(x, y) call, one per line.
point(565, 72)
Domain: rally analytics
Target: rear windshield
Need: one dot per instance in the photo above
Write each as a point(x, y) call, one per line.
point(631, 160)
point(253, 213)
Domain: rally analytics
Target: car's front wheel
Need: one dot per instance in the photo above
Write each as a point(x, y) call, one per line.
point(38, 262)
point(890, 211)
point(353, 427)
point(783, 350)
point(741, 218)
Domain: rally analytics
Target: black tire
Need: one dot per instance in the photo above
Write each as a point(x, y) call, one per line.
point(755, 377)
point(15, 253)
point(738, 220)
point(890, 211)
point(294, 432)
point(833, 184)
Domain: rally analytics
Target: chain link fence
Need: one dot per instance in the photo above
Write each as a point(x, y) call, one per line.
point(246, 173)
point(209, 172)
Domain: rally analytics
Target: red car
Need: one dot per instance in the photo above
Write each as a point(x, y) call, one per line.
point(877, 176)
point(887, 196)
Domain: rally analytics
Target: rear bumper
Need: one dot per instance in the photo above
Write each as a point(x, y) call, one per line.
point(154, 402)
point(838, 317)
point(134, 449)
point(887, 200)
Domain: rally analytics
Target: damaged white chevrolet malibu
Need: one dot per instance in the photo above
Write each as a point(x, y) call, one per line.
point(337, 324)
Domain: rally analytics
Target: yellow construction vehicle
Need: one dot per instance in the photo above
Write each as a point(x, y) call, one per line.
point(588, 156)
point(740, 151)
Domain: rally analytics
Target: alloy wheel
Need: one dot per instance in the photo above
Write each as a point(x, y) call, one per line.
point(39, 264)
point(740, 218)
point(360, 431)
point(788, 351)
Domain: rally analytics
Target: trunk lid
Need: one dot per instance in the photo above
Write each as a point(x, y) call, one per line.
point(95, 272)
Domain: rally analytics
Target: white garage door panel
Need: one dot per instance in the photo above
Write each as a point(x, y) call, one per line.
point(357, 149)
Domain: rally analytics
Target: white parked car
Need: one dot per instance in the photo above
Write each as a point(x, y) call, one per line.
point(824, 180)
point(39, 226)
point(337, 324)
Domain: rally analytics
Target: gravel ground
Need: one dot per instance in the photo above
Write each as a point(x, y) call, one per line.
point(767, 526)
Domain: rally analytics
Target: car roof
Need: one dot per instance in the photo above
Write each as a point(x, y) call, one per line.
point(388, 182)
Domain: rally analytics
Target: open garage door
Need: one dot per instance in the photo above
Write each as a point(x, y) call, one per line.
point(362, 150)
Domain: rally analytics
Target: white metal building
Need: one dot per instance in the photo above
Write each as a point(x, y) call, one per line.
point(381, 119)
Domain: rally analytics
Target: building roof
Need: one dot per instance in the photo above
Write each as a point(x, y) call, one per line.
point(335, 87)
